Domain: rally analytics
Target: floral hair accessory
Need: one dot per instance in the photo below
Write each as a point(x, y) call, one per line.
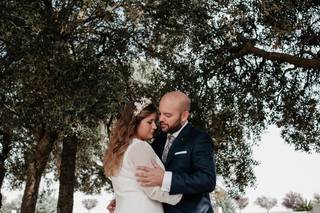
point(141, 104)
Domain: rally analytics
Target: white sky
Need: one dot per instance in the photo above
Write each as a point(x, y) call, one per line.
point(281, 170)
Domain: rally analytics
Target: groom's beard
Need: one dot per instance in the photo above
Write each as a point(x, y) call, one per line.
point(175, 127)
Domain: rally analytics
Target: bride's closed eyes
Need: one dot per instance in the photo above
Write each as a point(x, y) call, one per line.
point(151, 121)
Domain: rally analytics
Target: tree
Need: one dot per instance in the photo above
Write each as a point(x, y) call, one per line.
point(316, 202)
point(57, 77)
point(68, 64)
point(242, 202)
point(303, 206)
point(227, 206)
point(5, 145)
point(220, 198)
point(316, 198)
point(292, 200)
point(89, 203)
point(67, 173)
point(295, 201)
point(266, 203)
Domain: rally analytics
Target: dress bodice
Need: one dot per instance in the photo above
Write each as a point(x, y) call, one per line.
point(130, 196)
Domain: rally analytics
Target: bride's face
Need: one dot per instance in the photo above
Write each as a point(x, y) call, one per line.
point(147, 127)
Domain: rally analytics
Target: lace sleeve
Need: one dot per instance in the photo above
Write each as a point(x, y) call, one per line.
point(141, 154)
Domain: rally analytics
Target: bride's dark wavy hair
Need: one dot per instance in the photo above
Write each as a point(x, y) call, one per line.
point(121, 135)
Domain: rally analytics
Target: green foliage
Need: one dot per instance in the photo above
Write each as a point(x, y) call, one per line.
point(227, 206)
point(67, 65)
point(295, 201)
point(47, 202)
point(61, 73)
point(305, 205)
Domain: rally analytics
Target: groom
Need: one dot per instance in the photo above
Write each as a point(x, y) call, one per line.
point(187, 154)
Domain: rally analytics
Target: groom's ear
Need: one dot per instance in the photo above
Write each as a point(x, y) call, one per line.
point(185, 116)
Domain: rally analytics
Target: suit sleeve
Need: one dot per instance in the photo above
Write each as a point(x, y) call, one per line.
point(141, 154)
point(203, 177)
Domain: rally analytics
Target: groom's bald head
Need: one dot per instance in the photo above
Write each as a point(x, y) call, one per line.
point(179, 99)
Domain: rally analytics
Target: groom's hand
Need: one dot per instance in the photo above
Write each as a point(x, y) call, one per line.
point(150, 176)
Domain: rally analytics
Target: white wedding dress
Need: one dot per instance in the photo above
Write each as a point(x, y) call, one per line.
point(130, 196)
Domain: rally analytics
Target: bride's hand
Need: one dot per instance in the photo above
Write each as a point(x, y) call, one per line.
point(150, 176)
point(111, 206)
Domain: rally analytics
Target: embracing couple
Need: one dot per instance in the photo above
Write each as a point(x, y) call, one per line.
point(175, 174)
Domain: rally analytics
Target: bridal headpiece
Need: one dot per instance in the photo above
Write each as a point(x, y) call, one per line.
point(141, 104)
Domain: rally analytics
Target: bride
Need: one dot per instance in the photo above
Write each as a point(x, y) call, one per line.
point(128, 148)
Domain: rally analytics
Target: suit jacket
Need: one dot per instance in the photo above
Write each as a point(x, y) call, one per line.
point(191, 161)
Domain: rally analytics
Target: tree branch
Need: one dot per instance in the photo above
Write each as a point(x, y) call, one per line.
point(248, 48)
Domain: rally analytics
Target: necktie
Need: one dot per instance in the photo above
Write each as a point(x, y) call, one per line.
point(170, 139)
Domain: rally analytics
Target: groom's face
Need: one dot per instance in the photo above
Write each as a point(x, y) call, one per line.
point(170, 115)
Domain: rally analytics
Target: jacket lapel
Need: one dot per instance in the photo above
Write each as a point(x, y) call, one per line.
point(179, 141)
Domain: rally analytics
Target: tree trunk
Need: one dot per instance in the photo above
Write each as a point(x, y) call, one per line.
point(35, 167)
point(67, 175)
point(6, 147)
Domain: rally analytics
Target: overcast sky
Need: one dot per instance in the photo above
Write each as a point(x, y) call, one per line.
point(282, 170)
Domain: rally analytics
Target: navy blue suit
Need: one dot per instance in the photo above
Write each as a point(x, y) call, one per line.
point(191, 161)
